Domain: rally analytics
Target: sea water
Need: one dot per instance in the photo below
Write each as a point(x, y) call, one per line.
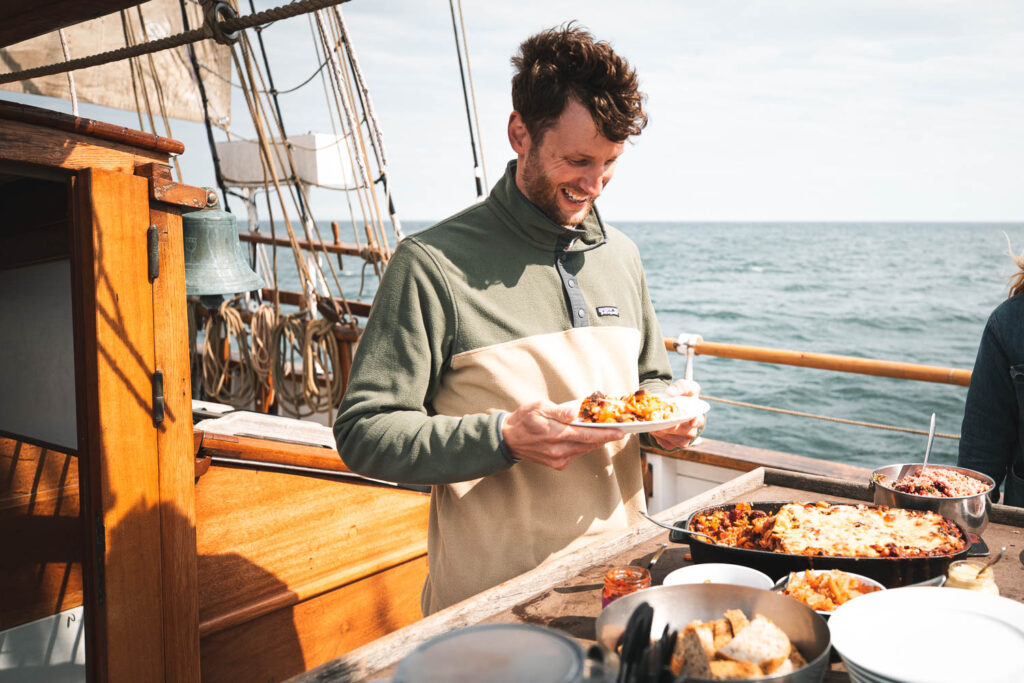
point(911, 292)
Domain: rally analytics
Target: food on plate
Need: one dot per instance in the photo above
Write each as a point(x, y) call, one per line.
point(640, 406)
point(825, 590)
point(833, 530)
point(734, 647)
point(939, 482)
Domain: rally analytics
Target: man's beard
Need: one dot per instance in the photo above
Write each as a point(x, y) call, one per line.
point(543, 193)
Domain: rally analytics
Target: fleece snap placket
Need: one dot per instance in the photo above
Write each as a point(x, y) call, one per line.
point(565, 263)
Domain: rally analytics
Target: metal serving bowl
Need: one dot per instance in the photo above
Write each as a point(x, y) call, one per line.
point(677, 606)
point(971, 512)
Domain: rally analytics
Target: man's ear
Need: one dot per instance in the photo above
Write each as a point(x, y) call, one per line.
point(518, 135)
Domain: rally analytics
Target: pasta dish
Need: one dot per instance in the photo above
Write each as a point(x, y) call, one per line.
point(640, 406)
point(825, 590)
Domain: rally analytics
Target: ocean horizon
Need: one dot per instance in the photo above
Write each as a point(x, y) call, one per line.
point(909, 291)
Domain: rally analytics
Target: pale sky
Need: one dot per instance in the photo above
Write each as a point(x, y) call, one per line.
point(806, 110)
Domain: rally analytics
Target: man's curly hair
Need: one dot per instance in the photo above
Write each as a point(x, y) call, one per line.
point(566, 62)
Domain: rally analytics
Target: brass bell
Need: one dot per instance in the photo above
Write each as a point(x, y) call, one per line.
point(214, 260)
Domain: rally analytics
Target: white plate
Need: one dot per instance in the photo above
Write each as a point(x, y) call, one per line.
point(689, 407)
point(900, 633)
point(718, 572)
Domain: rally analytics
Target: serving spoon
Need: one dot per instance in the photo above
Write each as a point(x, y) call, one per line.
point(906, 470)
point(991, 562)
point(680, 529)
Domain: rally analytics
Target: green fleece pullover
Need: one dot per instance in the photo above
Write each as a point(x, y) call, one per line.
point(490, 309)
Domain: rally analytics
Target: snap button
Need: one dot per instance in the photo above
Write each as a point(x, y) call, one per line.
point(580, 312)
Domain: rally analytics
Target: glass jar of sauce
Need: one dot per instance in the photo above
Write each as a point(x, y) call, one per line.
point(621, 581)
point(964, 574)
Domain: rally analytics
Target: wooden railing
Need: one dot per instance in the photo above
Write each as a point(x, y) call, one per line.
point(823, 361)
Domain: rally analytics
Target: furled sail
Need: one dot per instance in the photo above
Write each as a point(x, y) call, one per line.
point(169, 76)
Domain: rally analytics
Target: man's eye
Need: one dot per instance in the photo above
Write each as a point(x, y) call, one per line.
point(578, 162)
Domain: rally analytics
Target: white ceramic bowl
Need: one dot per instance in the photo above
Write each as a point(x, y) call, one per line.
point(781, 584)
point(717, 572)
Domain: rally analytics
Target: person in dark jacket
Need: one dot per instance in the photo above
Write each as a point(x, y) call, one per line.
point(990, 439)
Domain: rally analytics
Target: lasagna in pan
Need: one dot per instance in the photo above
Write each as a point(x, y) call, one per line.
point(833, 530)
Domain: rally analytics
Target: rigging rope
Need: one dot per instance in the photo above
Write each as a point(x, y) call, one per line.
point(246, 49)
point(826, 418)
point(217, 174)
point(155, 79)
point(272, 92)
point(138, 82)
point(277, 92)
point(221, 29)
point(71, 76)
point(472, 92)
point(370, 117)
point(356, 151)
point(465, 97)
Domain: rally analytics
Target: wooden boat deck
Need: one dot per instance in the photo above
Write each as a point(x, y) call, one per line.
point(566, 594)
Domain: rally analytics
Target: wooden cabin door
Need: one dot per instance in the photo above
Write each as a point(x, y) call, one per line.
point(136, 463)
point(96, 372)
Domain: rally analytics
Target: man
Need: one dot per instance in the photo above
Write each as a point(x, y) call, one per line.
point(486, 322)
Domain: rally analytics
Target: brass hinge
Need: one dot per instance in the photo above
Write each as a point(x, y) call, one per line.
point(158, 397)
point(153, 252)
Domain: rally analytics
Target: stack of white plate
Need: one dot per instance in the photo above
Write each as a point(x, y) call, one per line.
point(930, 635)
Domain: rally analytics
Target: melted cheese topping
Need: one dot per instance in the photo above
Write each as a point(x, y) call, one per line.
point(861, 531)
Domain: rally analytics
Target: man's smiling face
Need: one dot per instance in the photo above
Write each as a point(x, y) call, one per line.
point(568, 168)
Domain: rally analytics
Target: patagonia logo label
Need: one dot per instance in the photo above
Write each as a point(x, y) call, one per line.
point(605, 311)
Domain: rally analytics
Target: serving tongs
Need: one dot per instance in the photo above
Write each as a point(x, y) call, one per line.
point(687, 532)
point(636, 641)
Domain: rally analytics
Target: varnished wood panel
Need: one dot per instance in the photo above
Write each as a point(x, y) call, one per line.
point(124, 616)
point(288, 641)
point(32, 473)
point(175, 452)
point(267, 540)
point(107, 134)
point(40, 564)
point(23, 142)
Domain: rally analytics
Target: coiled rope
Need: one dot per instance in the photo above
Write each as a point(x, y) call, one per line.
point(221, 25)
point(321, 362)
point(320, 386)
point(826, 418)
point(224, 381)
point(286, 347)
point(262, 325)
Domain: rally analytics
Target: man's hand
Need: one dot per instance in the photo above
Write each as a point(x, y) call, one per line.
point(683, 433)
point(540, 432)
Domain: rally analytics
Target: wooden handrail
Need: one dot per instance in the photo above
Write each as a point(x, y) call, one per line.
point(825, 361)
point(344, 248)
point(271, 451)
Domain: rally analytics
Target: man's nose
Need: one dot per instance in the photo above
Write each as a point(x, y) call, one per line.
point(593, 181)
